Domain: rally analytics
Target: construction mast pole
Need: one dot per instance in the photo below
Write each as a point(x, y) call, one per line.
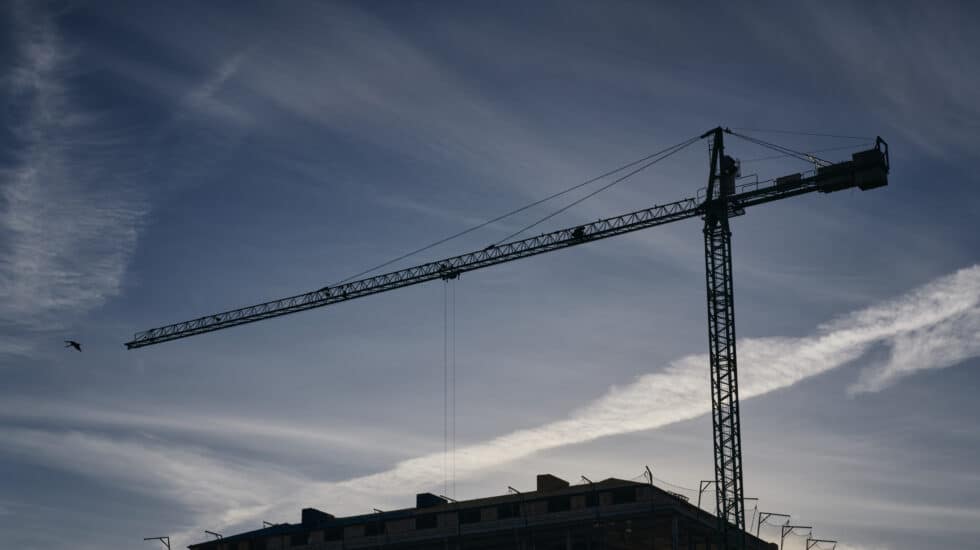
point(721, 342)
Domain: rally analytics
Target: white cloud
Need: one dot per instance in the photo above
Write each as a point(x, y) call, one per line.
point(204, 98)
point(67, 227)
point(934, 347)
point(895, 64)
point(264, 433)
point(680, 391)
point(231, 493)
point(349, 72)
point(221, 491)
point(938, 326)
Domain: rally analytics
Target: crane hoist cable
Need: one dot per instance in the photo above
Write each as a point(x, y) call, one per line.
point(449, 316)
point(452, 358)
point(452, 386)
point(445, 387)
point(668, 151)
point(449, 387)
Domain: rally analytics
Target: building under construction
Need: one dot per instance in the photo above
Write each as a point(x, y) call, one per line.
point(609, 514)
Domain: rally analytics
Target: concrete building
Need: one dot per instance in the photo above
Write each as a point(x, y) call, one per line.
point(613, 514)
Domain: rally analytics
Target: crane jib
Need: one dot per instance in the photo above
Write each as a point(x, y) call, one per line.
point(866, 170)
point(447, 268)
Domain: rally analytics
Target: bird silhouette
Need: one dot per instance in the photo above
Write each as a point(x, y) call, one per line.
point(73, 344)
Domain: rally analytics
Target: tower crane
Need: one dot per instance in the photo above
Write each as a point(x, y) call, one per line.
point(722, 200)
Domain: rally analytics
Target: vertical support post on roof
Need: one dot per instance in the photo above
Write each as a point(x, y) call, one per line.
point(674, 534)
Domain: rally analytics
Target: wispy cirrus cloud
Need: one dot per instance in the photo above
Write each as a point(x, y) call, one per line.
point(193, 477)
point(913, 73)
point(289, 439)
point(205, 99)
point(68, 225)
point(930, 345)
point(680, 392)
point(929, 348)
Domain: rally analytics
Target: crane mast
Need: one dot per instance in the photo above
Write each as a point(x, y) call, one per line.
point(722, 200)
point(721, 338)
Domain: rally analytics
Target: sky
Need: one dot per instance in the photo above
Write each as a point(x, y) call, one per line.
point(163, 161)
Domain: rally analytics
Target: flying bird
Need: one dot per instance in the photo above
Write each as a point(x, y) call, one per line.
point(73, 344)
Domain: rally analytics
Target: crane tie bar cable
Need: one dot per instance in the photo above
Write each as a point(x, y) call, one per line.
point(669, 151)
point(810, 153)
point(794, 133)
point(666, 153)
point(805, 157)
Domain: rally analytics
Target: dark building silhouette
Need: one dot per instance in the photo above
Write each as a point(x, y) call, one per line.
point(612, 514)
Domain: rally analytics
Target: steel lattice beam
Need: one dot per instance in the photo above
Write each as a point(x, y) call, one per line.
point(721, 342)
point(745, 195)
point(724, 374)
point(443, 269)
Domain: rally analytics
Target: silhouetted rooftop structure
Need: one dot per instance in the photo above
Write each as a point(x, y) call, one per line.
point(612, 514)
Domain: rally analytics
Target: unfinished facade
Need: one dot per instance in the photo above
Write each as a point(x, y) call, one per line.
point(613, 514)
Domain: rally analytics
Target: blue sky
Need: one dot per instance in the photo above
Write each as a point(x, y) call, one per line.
point(163, 161)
